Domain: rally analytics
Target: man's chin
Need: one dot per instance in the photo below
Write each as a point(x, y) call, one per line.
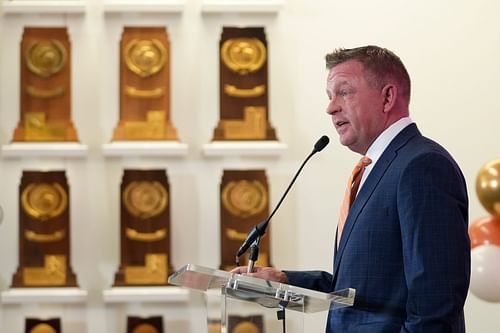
point(345, 141)
point(350, 144)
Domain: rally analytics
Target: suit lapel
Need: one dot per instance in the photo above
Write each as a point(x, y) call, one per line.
point(369, 186)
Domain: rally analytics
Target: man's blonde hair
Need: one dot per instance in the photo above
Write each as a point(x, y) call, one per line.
point(381, 64)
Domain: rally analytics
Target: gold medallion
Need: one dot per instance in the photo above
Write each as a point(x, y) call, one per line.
point(145, 199)
point(145, 57)
point(244, 198)
point(43, 201)
point(246, 327)
point(243, 55)
point(46, 58)
point(145, 328)
point(43, 328)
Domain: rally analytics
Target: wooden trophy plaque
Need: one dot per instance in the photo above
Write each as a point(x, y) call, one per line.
point(44, 231)
point(144, 85)
point(249, 324)
point(244, 203)
point(244, 110)
point(144, 229)
point(144, 325)
point(45, 87)
point(33, 325)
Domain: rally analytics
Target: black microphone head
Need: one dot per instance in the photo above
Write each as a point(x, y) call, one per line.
point(321, 143)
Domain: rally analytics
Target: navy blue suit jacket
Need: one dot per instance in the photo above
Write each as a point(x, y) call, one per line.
point(405, 246)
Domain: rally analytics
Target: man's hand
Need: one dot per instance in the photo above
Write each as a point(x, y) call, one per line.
point(266, 273)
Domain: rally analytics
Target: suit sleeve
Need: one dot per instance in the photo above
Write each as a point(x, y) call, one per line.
point(315, 280)
point(433, 211)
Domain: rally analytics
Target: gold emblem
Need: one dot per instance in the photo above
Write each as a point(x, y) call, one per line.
point(235, 235)
point(44, 238)
point(46, 58)
point(37, 128)
point(146, 236)
point(138, 93)
point(145, 57)
point(234, 91)
point(154, 272)
point(246, 327)
point(151, 129)
point(43, 201)
point(145, 328)
point(243, 55)
point(251, 127)
point(53, 273)
point(145, 199)
point(45, 93)
point(244, 198)
point(43, 328)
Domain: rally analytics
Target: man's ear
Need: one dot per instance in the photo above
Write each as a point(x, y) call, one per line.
point(389, 95)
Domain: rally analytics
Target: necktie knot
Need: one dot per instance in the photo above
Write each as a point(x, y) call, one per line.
point(359, 168)
point(364, 161)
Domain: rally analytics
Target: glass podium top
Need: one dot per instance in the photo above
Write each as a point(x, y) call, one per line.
point(266, 293)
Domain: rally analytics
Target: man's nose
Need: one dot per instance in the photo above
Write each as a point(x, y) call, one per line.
point(333, 107)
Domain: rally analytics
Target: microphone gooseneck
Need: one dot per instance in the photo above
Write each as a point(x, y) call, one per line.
point(260, 229)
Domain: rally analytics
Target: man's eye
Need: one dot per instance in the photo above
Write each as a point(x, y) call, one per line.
point(343, 93)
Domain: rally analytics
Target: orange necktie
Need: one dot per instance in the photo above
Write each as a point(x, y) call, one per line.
point(350, 193)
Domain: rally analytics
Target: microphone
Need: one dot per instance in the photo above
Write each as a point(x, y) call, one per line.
point(260, 229)
point(320, 144)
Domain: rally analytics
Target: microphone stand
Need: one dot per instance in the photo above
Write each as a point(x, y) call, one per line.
point(254, 254)
point(255, 235)
point(259, 230)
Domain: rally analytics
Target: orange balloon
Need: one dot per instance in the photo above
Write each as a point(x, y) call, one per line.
point(485, 230)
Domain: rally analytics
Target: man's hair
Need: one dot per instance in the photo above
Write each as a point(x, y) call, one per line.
point(381, 64)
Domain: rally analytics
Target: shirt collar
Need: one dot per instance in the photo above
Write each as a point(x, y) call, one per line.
point(384, 139)
point(381, 143)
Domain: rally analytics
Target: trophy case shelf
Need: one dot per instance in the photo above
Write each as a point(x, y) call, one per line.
point(144, 148)
point(244, 148)
point(143, 6)
point(43, 7)
point(145, 294)
point(44, 149)
point(43, 295)
point(242, 6)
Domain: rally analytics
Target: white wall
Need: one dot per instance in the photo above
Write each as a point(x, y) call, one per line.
point(451, 49)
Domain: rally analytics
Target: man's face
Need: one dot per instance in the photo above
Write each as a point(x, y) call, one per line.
point(356, 106)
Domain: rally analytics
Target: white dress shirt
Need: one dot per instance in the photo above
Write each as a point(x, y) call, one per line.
point(381, 143)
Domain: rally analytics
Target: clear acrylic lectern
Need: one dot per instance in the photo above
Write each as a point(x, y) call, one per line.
point(236, 293)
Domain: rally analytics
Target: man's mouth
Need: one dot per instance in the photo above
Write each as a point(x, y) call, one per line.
point(340, 123)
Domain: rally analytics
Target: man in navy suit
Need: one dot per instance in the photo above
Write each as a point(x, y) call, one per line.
point(404, 245)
